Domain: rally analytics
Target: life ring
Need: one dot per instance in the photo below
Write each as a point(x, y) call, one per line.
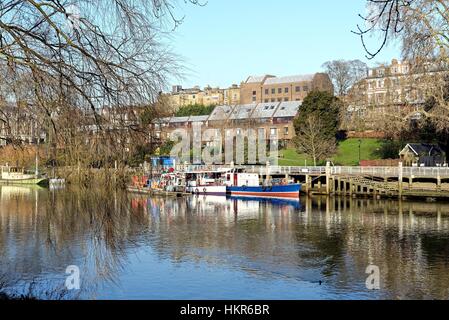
point(205, 190)
point(197, 191)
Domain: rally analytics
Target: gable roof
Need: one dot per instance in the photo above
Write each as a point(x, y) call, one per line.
point(221, 113)
point(422, 148)
point(288, 109)
point(265, 110)
point(257, 79)
point(243, 112)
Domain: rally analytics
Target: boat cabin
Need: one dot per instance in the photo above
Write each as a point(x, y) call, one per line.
point(238, 179)
point(205, 178)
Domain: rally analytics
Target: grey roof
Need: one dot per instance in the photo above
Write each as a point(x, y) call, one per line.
point(161, 120)
point(255, 79)
point(288, 109)
point(221, 113)
point(289, 79)
point(265, 110)
point(198, 118)
point(179, 119)
point(424, 148)
point(243, 111)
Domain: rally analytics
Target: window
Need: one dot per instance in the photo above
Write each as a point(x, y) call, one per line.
point(273, 132)
point(286, 90)
point(279, 99)
point(286, 131)
point(254, 99)
point(285, 99)
point(266, 108)
point(273, 100)
point(266, 100)
point(266, 91)
point(298, 88)
point(254, 93)
point(306, 88)
point(272, 108)
point(280, 90)
point(273, 91)
point(261, 132)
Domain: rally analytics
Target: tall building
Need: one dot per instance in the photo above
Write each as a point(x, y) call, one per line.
point(391, 88)
point(269, 88)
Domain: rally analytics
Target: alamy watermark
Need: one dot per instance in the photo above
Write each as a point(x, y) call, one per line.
point(72, 282)
point(238, 146)
point(373, 280)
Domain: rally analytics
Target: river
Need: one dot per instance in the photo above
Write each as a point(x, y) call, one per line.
point(134, 247)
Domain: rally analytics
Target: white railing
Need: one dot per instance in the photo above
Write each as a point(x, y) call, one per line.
point(418, 172)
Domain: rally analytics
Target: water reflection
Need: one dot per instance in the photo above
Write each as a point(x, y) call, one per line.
point(137, 247)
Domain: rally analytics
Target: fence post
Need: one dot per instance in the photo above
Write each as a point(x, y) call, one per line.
point(328, 177)
point(400, 178)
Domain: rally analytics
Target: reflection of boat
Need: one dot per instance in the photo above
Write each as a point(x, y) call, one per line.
point(247, 185)
point(295, 203)
point(15, 175)
point(10, 191)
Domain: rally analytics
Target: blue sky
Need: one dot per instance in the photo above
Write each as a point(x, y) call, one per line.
point(227, 40)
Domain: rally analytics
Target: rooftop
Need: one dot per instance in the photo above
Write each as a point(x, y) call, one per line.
point(243, 111)
point(288, 109)
point(265, 110)
point(221, 113)
point(289, 79)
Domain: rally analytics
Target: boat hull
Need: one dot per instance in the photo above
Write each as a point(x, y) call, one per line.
point(290, 191)
point(212, 190)
point(30, 181)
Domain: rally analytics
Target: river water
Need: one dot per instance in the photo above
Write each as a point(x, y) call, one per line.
point(135, 247)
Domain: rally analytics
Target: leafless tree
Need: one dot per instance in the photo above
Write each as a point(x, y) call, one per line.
point(69, 60)
point(310, 140)
point(420, 25)
point(345, 73)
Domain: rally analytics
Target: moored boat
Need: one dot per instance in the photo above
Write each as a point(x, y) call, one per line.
point(248, 185)
point(207, 182)
point(274, 191)
point(15, 175)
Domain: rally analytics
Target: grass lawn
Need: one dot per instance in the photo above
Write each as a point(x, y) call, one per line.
point(347, 154)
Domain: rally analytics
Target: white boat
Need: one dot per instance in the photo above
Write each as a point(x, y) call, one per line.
point(206, 182)
point(15, 175)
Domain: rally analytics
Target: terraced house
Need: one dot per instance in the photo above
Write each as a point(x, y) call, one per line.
point(273, 120)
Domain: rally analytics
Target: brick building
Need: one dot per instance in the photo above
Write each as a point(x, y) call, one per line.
point(269, 89)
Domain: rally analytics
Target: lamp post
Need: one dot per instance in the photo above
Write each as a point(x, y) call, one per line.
point(360, 145)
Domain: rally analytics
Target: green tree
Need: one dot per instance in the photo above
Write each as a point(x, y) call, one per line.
point(323, 106)
point(317, 125)
point(194, 110)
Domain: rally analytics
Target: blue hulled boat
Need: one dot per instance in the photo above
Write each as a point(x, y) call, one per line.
point(275, 191)
point(248, 185)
